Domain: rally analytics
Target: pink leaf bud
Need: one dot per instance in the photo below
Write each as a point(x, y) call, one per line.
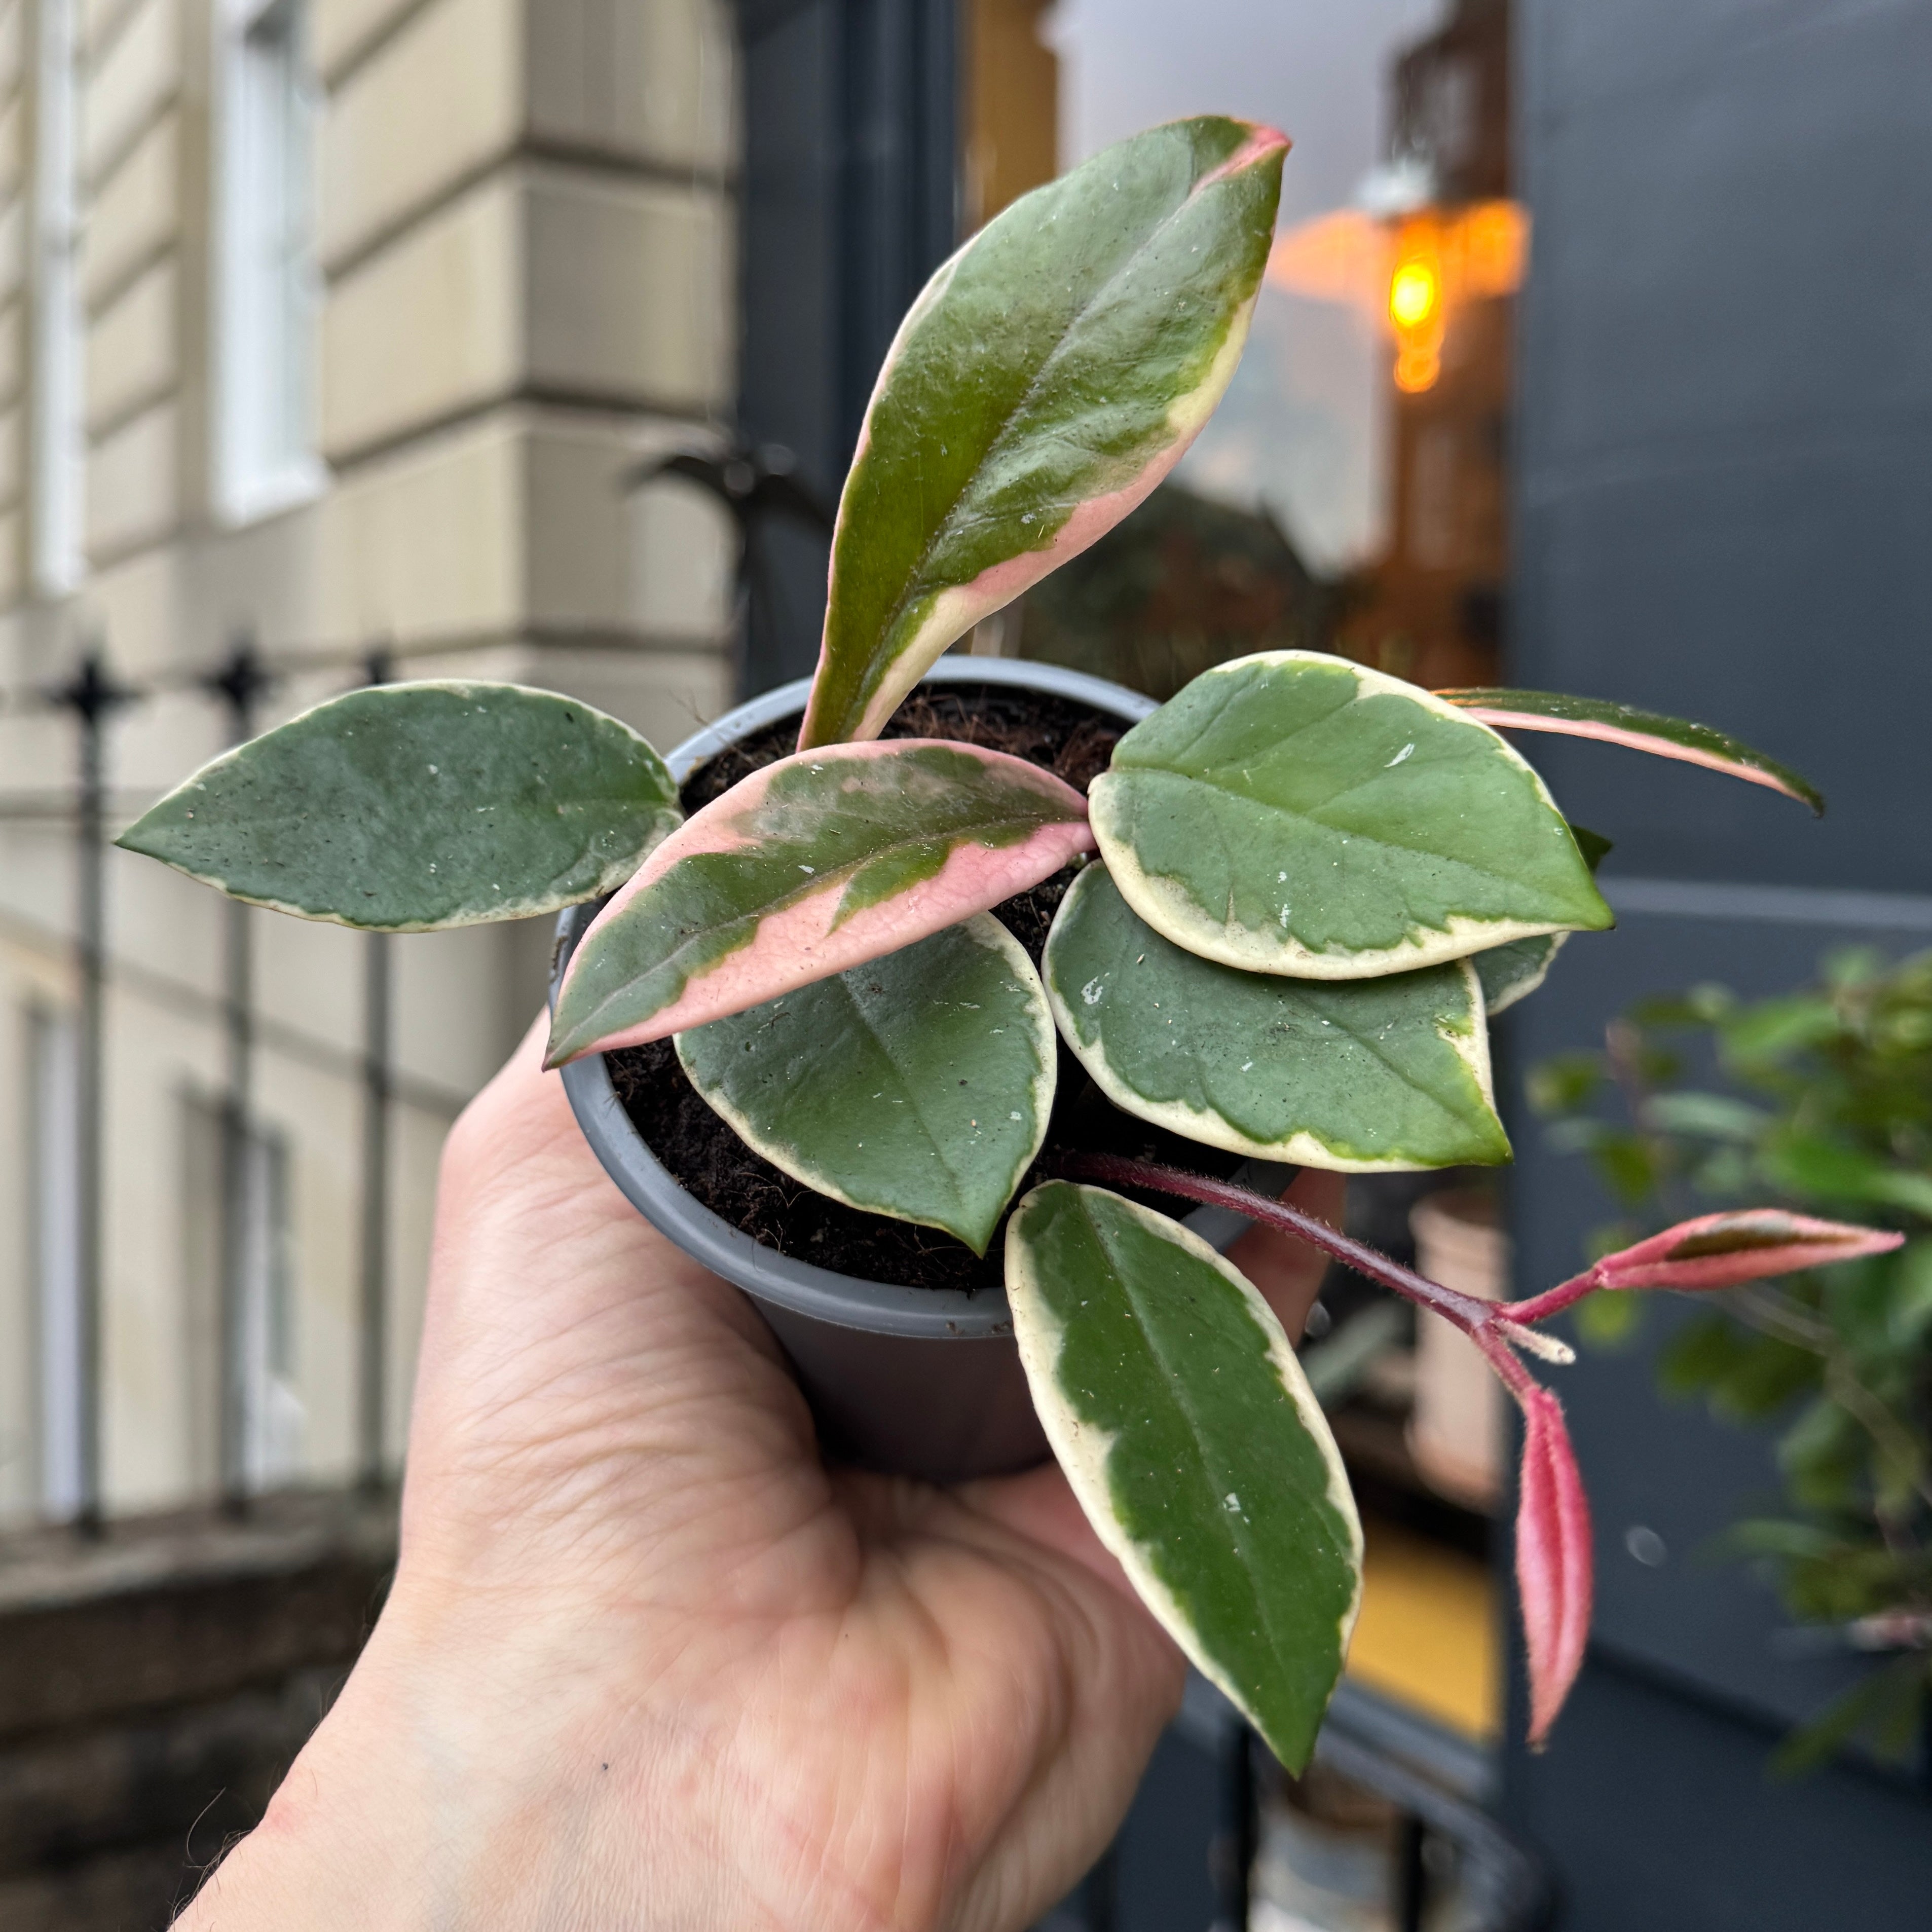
point(1553, 1561)
point(1722, 1250)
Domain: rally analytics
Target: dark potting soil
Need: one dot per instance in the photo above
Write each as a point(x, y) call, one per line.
point(1071, 740)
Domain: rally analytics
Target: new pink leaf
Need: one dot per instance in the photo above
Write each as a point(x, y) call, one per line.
point(1717, 1251)
point(1553, 1562)
point(811, 866)
point(1723, 1250)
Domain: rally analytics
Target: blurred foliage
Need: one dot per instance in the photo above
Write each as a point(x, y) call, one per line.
point(1822, 1099)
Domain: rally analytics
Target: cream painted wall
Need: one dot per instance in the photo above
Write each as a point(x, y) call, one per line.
point(525, 229)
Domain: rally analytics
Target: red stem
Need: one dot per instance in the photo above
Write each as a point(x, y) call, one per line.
point(1554, 1300)
point(1466, 1312)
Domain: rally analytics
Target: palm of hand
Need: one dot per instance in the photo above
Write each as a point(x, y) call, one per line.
point(653, 1665)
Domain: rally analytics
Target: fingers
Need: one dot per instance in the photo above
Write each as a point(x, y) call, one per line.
point(1288, 1272)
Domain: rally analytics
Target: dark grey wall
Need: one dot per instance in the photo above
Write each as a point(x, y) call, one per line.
point(1724, 509)
point(848, 206)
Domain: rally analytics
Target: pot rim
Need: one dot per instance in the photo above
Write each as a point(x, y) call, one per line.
point(846, 1301)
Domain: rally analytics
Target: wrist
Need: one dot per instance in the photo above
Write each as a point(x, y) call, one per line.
point(454, 1782)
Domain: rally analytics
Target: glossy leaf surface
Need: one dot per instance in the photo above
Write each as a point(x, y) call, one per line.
point(1297, 814)
point(1048, 377)
point(1361, 1075)
point(818, 862)
point(1176, 1407)
point(409, 807)
point(1639, 730)
point(917, 1085)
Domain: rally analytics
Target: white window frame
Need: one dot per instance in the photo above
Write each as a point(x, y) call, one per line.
point(266, 302)
point(57, 509)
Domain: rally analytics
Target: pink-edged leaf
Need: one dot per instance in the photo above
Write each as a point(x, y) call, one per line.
point(808, 867)
point(1723, 1250)
point(1716, 1251)
point(1554, 1567)
point(1050, 374)
point(1651, 731)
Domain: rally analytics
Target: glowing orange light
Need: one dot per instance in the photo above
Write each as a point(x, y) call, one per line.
point(1414, 289)
point(1410, 274)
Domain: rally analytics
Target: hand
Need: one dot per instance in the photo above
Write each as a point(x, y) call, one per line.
point(647, 1663)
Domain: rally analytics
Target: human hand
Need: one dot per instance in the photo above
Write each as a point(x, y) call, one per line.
point(647, 1663)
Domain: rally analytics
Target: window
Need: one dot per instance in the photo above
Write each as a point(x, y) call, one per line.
point(266, 456)
point(53, 1141)
point(1350, 494)
point(262, 1343)
point(58, 434)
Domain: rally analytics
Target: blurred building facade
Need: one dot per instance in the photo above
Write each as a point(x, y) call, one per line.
point(337, 327)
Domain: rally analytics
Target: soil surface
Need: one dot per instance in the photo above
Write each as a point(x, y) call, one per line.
point(1069, 738)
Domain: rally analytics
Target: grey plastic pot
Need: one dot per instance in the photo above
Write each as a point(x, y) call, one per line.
point(915, 1381)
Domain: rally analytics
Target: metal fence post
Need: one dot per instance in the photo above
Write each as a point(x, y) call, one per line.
point(378, 1080)
point(239, 682)
point(91, 696)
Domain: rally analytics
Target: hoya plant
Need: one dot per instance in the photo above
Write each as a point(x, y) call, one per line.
point(1822, 1098)
point(1301, 888)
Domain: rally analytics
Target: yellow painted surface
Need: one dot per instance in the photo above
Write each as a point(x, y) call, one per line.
point(1427, 1636)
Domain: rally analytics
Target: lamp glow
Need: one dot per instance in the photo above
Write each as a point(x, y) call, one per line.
point(1414, 292)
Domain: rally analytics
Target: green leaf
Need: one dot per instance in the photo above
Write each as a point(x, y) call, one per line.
point(918, 1085)
point(1364, 1076)
point(405, 808)
point(1508, 973)
point(809, 866)
point(1048, 377)
point(1640, 730)
point(1297, 814)
point(1190, 1436)
point(1512, 972)
point(1593, 846)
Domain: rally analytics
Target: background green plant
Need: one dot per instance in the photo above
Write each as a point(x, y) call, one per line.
point(1823, 1096)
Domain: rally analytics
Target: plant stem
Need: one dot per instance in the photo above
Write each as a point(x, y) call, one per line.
point(1553, 1301)
point(1466, 1312)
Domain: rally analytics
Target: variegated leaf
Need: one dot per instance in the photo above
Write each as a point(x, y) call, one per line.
point(1050, 373)
point(916, 1085)
point(1640, 730)
point(1508, 973)
point(1512, 972)
point(1297, 814)
point(1184, 1424)
point(818, 862)
point(1365, 1076)
point(405, 808)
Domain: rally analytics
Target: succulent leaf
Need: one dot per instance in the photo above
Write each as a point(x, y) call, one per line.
point(820, 861)
point(1050, 373)
point(1298, 813)
point(917, 1085)
point(1188, 1433)
point(1639, 730)
point(407, 808)
point(1555, 1564)
point(1511, 973)
point(1746, 1244)
point(1362, 1075)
